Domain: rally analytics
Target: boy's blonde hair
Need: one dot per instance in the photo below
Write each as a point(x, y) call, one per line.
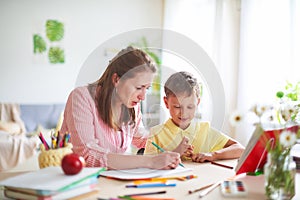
point(182, 83)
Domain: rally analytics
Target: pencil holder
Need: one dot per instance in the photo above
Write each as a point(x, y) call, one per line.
point(53, 157)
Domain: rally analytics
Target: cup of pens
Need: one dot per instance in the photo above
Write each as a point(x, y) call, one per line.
point(51, 155)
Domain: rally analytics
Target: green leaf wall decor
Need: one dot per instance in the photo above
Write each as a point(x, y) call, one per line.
point(54, 30)
point(56, 55)
point(39, 44)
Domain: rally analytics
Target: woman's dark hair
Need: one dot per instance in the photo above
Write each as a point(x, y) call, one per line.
point(126, 64)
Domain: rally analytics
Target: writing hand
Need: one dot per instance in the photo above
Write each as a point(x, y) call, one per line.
point(166, 160)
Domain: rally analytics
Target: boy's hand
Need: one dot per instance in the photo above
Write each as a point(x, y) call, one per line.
point(202, 157)
point(184, 148)
point(189, 152)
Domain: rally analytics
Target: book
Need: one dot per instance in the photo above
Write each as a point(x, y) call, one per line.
point(254, 156)
point(15, 194)
point(51, 180)
point(142, 173)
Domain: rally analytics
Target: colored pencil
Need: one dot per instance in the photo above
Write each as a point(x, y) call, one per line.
point(146, 193)
point(221, 165)
point(211, 188)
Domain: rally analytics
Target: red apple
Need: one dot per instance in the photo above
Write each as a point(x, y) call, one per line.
point(72, 164)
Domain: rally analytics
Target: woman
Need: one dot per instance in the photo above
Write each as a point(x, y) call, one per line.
point(104, 118)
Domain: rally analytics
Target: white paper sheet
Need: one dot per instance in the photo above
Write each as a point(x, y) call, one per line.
point(142, 173)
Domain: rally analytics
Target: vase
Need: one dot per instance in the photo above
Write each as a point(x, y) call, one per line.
point(280, 172)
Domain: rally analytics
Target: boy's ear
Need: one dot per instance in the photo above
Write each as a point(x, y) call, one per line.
point(166, 102)
point(198, 101)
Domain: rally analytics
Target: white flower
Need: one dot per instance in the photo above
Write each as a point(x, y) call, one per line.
point(236, 118)
point(286, 111)
point(287, 138)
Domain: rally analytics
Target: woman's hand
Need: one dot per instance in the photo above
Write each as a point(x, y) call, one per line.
point(202, 157)
point(184, 148)
point(166, 160)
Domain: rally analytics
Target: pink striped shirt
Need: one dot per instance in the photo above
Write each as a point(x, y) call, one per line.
point(90, 136)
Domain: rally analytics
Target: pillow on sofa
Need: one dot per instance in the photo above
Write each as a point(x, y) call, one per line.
point(11, 127)
point(45, 115)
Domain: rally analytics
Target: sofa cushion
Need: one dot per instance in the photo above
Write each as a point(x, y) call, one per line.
point(45, 115)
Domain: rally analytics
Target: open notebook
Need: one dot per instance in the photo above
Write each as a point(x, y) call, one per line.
point(142, 173)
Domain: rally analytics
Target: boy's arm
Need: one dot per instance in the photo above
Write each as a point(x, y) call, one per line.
point(232, 149)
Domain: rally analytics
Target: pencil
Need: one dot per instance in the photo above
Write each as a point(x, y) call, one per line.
point(150, 198)
point(44, 141)
point(162, 150)
point(146, 193)
point(221, 165)
point(199, 189)
point(180, 178)
point(211, 188)
point(150, 185)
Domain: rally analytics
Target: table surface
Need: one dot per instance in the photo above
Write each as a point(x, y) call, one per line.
point(206, 173)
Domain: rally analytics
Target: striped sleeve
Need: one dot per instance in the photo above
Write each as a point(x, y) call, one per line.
point(79, 120)
point(140, 132)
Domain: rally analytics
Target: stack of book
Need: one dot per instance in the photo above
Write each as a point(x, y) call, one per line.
point(51, 183)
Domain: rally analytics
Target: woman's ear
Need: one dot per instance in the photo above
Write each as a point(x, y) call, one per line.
point(166, 102)
point(115, 79)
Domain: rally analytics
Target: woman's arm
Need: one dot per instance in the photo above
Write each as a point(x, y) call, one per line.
point(79, 121)
point(166, 160)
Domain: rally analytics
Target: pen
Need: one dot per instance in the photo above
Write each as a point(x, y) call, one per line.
point(162, 150)
point(221, 165)
point(211, 188)
point(152, 185)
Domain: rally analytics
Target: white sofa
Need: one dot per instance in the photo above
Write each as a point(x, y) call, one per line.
point(37, 116)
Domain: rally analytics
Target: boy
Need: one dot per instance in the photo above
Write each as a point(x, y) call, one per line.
point(192, 139)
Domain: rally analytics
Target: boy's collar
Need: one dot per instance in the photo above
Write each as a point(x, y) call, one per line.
point(175, 129)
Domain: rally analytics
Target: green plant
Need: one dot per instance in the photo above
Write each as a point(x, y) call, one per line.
point(279, 170)
point(290, 104)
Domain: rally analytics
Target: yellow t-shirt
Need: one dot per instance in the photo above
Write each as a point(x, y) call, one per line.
point(168, 136)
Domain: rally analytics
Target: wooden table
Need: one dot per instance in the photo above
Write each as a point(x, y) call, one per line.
point(206, 172)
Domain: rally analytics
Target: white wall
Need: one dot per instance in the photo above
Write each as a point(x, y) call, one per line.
point(87, 25)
